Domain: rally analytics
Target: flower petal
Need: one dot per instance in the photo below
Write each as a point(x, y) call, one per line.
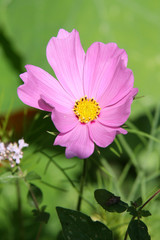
point(64, 122)
point(134, 92)
point(120, 85)
point(76, 141)
point(38, 83)
point(103, 135)
point(122, 131)
point(63, 33)
point(100, 66)
point(117, 114)
point(66, 56)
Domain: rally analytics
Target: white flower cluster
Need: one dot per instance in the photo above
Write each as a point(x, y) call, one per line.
point(12, 152)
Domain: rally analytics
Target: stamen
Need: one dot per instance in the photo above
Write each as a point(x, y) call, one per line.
point(86, 109)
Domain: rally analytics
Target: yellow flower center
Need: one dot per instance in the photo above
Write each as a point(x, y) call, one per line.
point(86, 109)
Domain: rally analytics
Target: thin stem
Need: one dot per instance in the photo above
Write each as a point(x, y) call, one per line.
point(61, 169)
point(66, 175)
point(20, 210)
point(126, 234)
point(34, 198)
point(83, 178)
point(39, 231)
point(37, 207)
point(149, 199)
point(54, 187)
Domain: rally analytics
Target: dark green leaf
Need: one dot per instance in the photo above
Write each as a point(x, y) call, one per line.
point(137, 230)
point(60, 236)
point(32, 176)
point(77, 225)
point(109, 201)
point(137, 203)
point(145, 213)
point(138, 213)
point(132, 211)
point(34, 195)
point(41, 216)
point(43, 208)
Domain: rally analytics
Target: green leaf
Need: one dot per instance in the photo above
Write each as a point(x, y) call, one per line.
point(145, 213)
point(34, 194)
point(137, 230)
point(132, 210)
point(109, 201)
point(8, 177)
point(138, 213)
point(77, 225)
point(41, 216)
point(32, 176)
point(137, 203)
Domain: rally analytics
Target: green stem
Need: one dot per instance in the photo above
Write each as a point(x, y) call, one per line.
point(61, 169)
point(83, 178)
point(37, 207)
point(149, 199)
point(34, 198)
point(39, 231)
point(126, 234)
point(67, 177)
point(20, 210)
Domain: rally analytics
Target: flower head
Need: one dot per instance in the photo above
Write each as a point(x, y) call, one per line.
point(12, 152)
point(91, 99)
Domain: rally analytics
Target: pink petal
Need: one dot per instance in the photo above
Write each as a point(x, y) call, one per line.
point(63, 34)
point(38, 83)
point(103, 135)
point(66, 56)
point(122, 131)
point(100, 62)
point(134, 92)
point(120, 84)
point(117, 114)
point(76, 141)
point(64, 122)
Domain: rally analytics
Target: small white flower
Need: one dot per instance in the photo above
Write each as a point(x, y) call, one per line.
point(17, 158)
point(12, 152)
point(22, 143)
point(12, 147)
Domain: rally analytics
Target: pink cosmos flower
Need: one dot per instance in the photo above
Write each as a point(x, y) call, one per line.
point(91, 99)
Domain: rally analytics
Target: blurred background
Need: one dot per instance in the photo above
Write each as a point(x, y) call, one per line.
point(25, 29)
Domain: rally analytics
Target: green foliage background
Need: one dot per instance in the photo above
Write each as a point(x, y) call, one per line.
point(25, 29)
